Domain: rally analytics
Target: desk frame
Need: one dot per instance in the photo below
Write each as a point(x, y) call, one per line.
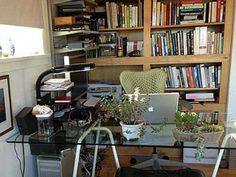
point(96, 126)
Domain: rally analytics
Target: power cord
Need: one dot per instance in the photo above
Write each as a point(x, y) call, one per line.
point(22, 169)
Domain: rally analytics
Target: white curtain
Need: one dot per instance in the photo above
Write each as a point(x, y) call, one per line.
point(26, 13)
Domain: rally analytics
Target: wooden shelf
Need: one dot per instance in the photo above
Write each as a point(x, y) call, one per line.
point(68, 50)
point(188, 25)
point(190, 89)
point(121, 29)
point(161, 60)
point(65, 33)
point(88, 2)
point(208, 107)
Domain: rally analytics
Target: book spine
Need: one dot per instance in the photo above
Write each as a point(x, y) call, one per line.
point(154, 12)
point(108, 14)
point(190, 77)
point(158, 14)
point(203, 77)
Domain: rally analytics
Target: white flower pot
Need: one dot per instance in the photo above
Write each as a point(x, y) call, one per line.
point(131, 131)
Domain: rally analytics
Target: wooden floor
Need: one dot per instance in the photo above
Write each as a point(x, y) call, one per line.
point(108, 166)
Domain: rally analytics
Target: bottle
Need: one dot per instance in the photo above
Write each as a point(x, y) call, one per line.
point(12, 48)
point(120, 52)
point(0, 51)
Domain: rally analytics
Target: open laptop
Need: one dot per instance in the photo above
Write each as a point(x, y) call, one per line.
point(161, 106)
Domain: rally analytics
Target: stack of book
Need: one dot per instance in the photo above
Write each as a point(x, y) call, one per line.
point(187, 42)
point(121, 15)
point(78, 12)
point(200, 97)
point(198, 76)
point(57, 84)
point(191, 12)
point(187, 11)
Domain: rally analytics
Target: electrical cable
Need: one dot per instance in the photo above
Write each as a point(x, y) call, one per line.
point(23, 155)
point(17, 156)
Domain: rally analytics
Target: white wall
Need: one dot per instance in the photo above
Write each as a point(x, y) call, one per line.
point(23, 73)
point(232, 84)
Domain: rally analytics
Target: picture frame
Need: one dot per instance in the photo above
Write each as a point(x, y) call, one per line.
point(6, 123)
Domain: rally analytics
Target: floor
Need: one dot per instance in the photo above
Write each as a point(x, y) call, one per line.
point(108, 164)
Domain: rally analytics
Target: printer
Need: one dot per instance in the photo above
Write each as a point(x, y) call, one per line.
point(100, 90)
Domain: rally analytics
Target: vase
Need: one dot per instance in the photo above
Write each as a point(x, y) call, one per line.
point(131, 131)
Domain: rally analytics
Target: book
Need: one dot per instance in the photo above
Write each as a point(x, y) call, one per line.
point(203, 40)
point(201, 95)
point(62, 99)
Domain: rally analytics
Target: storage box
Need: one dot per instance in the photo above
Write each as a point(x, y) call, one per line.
point(209, 155)
point(64, 20)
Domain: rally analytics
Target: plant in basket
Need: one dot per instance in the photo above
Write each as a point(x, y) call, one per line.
point(129, 112)
point(189, 127)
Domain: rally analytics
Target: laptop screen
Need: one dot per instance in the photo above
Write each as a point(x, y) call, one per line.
point(161, 106)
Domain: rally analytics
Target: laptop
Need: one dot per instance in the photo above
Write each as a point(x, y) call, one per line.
point(161, 106)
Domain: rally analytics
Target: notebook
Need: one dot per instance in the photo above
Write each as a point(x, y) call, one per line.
point(161, 106)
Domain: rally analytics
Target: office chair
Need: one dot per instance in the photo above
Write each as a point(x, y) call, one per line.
point(131, 172)
point(151, 81)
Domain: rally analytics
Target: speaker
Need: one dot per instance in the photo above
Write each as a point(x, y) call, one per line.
point(26, 121)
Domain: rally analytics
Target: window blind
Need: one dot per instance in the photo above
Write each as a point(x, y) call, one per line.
point(26, 13)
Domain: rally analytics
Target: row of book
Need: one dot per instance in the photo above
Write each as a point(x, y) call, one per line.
point(209, 117)
point(187, 42)
point(184, 12)
point(121, 15)
point(198, 76)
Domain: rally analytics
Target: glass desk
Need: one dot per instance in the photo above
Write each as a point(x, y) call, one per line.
point(97, 135)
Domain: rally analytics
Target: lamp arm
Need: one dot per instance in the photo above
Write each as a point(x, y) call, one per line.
point(38, 83)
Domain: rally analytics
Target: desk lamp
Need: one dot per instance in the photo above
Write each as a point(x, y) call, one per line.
point(78, 67)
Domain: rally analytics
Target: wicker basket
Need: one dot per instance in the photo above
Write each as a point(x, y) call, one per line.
point(211, 137)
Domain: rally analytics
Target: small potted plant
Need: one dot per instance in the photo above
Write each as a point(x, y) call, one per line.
point(129, 111)
point(189, 127)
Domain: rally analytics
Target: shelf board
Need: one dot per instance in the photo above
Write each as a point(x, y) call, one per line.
point(190, 89)
point(65, 33)
point(68, 50)
point(188, 25)
point(121, 29)
point(160, 60)
point(58, 89)
point(207, 107)
point(88, 2)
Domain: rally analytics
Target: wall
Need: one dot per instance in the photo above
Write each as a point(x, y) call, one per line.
point(232, 84)
point(22, 73)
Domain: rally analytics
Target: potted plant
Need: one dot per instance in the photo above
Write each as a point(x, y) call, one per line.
point(129, 111)
point(189, 127)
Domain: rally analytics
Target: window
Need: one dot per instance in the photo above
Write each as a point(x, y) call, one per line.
point(18, 41)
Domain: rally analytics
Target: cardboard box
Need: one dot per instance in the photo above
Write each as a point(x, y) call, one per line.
point(64, 20)
point(210, 155)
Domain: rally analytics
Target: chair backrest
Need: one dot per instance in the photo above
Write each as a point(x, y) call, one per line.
point(151, 81)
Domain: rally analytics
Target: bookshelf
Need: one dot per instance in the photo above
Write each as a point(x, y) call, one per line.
point(109, 68)
point(73, 33)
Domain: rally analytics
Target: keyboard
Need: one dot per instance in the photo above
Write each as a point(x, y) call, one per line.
point(91, 102)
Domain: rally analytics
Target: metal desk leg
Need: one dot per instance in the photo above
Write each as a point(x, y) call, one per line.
point(112, 143)
point(78, 149)
point(226, 138)
point(96, 151)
